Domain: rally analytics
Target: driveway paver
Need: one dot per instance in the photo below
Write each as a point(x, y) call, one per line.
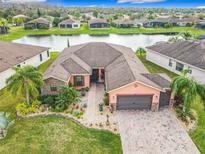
point(147, 132)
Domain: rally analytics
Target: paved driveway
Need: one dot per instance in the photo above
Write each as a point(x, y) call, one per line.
point(147, 132)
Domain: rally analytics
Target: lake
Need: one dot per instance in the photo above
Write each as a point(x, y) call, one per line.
point(59, 42)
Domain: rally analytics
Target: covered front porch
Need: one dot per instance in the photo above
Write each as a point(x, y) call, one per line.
point(80, 81)
point(98, 75)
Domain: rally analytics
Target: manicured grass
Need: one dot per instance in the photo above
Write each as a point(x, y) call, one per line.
point(153, 68)
point(18, 32)
point(197, 135)
point(57, 135)
point(44, 66)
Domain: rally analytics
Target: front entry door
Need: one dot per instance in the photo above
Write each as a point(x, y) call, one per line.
point(95, 75)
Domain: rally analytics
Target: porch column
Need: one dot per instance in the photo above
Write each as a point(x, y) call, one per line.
point(99, 74)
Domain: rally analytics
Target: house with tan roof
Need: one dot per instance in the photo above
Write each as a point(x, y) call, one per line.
point(127, 81)
point(98, 23)
point(69, 23)
point(13, 54)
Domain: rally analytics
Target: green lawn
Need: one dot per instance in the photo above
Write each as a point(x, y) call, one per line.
point(56, 135)
point(18, 32)
point(45, 65)
point(153, 68)
point(197, 135)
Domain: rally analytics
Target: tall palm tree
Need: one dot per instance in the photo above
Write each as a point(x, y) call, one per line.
point(26, 80)
point(189, 89)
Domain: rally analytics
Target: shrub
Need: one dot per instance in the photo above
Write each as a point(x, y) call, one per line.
point(48, 99)
point(24, 109)
point(106, 99)
point(77, 113)
point(67, 96)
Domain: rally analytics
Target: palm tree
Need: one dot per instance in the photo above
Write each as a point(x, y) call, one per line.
point(26, 80)
point(189, 89)
point(141, 52)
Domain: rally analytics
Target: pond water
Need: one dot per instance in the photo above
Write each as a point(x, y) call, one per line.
point(59, 42)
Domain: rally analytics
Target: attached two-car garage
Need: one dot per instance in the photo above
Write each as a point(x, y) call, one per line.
point(126, 102)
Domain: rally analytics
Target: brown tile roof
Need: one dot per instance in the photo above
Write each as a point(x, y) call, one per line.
point(97, 20)
point(12, 53)
point(68, 21)
point(190, 52)
point(120, 64)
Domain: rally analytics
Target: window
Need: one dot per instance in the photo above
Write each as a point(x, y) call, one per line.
point(41, 58)
point(53, 88)
point(79, 80)
point(179, 67)
point(75, 25)
point(48, 54)
point(170, 63)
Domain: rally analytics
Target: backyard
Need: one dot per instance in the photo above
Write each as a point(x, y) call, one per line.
point(198, 134)
point(18, 32)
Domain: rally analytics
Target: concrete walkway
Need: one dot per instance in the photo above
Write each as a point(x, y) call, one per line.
point(95, 97)
point(146, 132)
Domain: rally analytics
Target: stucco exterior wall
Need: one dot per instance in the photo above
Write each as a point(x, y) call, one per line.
point(163, 61)
point(134, 89)
point(34, 61)
point(86, 82)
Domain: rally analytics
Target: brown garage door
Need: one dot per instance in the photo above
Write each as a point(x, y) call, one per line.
point(134, 102)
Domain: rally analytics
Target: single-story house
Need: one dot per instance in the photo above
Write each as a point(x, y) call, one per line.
point(179, 56)
point(3, 29)
point(128, 83)
point(200, 25)
point(160, 22)
point(69, 23)
point(40, 23)
point(13, 54)
point(98, 23)
point(123, 23)
point(183, 21)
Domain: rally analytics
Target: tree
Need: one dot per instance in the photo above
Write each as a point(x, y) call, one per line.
point(67, 96)
point(141, 52)
point(56, 21)
point(186, 36)
point(3, 22)
point(39, 12)
point(188, 89)
point(95, 14)
point(27, 81)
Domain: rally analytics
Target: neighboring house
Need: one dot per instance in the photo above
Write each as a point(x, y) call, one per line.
point(3, 29)
point(98, 23)
point(183, 21)
point(127, 81)
point(139, 22)
point(200, 25)
point(40, 23)
point(161, 22)
point(124, 23)
point(179, 56)
point(69, 23)
point(20, 19)
point(13, 54)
